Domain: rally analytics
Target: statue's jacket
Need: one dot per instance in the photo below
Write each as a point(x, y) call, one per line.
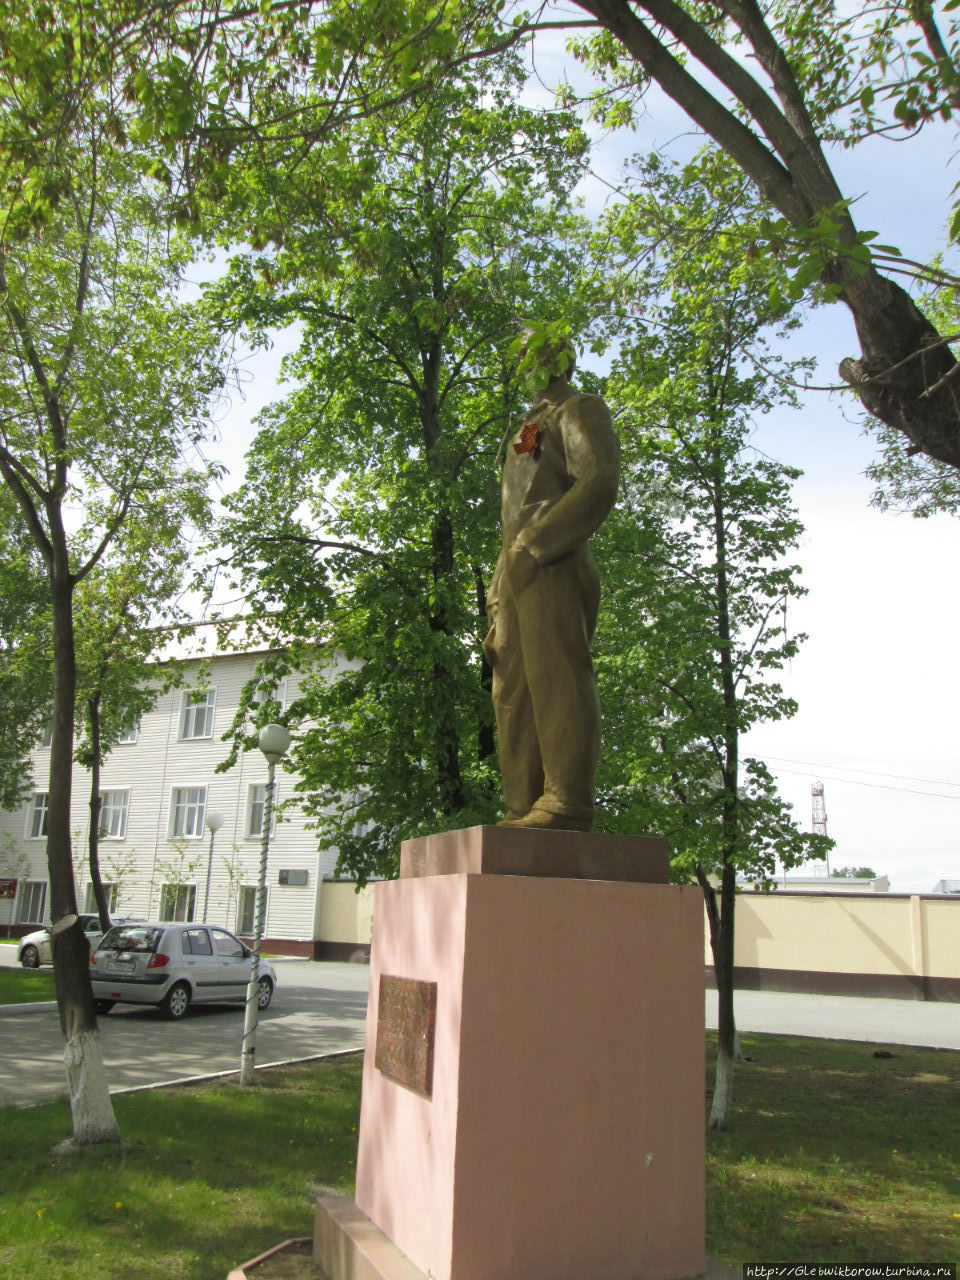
point(560, 480)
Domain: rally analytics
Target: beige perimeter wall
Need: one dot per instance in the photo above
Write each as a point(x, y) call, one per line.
point(880, 944)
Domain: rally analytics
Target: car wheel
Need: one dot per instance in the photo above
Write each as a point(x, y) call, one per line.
point(30, 958)
point(264, 993)
point(103, 1006)
point(176, 1002)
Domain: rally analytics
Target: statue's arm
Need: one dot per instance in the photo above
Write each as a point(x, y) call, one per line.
point(593, 464)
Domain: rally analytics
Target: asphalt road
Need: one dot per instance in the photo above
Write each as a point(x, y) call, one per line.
point(321, 1008)
point(316, 1009)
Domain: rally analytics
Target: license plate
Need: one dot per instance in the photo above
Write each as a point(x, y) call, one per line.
point(121, 966)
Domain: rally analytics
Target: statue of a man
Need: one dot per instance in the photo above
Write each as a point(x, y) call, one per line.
point(560, 481)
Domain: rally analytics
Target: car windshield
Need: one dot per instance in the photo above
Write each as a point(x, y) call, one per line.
point(130, 938)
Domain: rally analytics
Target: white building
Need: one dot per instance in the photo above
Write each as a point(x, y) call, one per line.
point(157, 788)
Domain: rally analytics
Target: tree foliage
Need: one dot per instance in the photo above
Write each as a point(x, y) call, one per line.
point(367, 524)
point(104, 387)
point(25, 689)
point(698, 555)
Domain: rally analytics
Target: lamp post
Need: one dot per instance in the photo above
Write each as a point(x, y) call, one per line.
point(213, 821)
point(273, 741)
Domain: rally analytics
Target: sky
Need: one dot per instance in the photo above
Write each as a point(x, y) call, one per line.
point(877, 679)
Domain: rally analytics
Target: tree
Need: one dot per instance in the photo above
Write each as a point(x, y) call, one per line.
point(104, 383)
point(697, 556)
point(771, 85)
point(367, 524)
point(127, 610)
point(854, 873)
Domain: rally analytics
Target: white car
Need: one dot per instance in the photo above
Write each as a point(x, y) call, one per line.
point(174, 965)
point(35, 950)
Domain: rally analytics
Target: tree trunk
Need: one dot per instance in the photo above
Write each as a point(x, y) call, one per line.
point(781, 153)
point(726, 1025)
point(92, 1110)
point(93, 845)
point(901, 364)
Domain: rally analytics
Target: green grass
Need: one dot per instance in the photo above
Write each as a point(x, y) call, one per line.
point(209, 1175)
point(833, 1156)
point(20, 986)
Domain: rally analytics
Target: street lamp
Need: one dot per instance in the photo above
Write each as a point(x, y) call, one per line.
point(273, 741)
point(214, 821)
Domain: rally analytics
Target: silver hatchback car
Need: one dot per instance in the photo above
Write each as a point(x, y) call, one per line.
point(173, 965)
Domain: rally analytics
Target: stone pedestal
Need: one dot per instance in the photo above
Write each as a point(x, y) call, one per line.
point(533, 1089)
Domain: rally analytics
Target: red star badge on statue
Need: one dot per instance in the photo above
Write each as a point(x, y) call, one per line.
point(529, 441)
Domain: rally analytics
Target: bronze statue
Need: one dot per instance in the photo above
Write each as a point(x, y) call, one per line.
point(559, 483)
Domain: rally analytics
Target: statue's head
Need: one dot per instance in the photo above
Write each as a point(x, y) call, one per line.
point(544, 355)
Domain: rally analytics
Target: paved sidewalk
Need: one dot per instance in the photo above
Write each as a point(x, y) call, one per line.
point(931, 1023)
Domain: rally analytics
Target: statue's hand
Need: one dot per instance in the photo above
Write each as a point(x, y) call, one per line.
point(522, 567)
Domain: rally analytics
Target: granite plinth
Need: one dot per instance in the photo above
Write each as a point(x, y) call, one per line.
point(564, 1135)
point(347, 1246)
point(520, 851)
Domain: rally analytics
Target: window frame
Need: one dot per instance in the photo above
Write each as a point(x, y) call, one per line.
point(111, 888)
point(248, 831)
point(200, 806)
point(241, 891)
point(125, 813)
point(277, 693)
point(35, 811)
point(192, 704)
point(187, 891)
point(28, 888)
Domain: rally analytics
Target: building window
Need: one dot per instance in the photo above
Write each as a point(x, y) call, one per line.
point(128, 735)
point(33, 901)
point(112, 890)
point(177, 902)
point(196, 717)
point(113, 814)
point(270, 693)
point(256, 803)
point(246, 909)
point(186, 816)
point(37, 817)
point(47, 734)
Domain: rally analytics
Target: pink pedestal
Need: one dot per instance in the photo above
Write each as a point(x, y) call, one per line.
point(563, 1134)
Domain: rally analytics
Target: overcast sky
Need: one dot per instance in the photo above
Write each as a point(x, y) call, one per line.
point(877, 680)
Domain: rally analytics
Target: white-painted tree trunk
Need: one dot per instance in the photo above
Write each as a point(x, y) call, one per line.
point(90, 1103)
point(722, 1091)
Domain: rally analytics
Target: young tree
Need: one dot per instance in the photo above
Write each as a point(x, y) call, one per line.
point(697, 556)
point(127, 609)
point(104, 382)
point(367, 525)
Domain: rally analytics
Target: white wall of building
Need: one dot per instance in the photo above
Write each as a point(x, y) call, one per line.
point(151, 770)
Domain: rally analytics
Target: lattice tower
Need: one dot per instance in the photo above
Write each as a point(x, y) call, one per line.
point(819, 819)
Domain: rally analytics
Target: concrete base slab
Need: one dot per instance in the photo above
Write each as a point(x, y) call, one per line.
point(347, 1246)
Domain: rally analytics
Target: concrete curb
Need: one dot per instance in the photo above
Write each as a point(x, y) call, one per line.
point(35, 1006)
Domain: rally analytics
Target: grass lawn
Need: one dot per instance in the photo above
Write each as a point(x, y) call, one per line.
point(834, 1156)
point(20, 986)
